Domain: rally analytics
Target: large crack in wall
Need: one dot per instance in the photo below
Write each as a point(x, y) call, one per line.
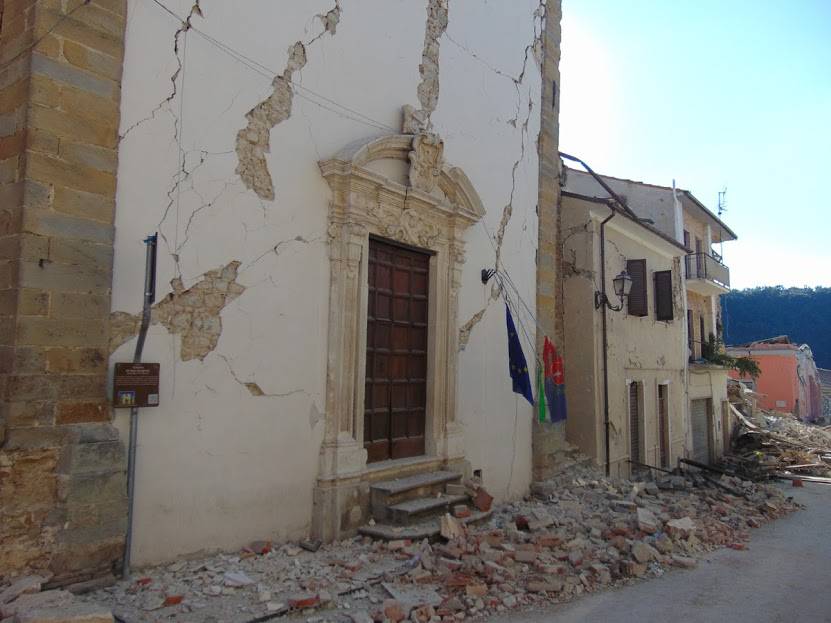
point(187, 24)
point(193, 313)
point(416, 121)
point(531, 49)
point(254, 141)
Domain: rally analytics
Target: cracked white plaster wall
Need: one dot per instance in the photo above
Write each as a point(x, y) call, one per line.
point(187, 24)
point(275, 335)
point(531, 50)
point(254, 141)
point(254, 388)
point(496, 290)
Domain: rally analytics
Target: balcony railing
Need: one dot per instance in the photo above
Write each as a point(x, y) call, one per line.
point(704, 266)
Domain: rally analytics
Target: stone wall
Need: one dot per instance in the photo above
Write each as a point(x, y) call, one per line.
point(62, 490)
point(549, 439)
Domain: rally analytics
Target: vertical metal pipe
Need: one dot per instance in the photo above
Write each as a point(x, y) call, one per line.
point(604, 332)
point(149, 297)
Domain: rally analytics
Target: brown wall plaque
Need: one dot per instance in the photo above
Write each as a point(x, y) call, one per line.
point(136, 385)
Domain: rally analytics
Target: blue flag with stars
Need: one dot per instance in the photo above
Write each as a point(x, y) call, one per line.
point(516, 361)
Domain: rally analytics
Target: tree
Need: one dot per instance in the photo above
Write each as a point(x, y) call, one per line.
point(800, 313)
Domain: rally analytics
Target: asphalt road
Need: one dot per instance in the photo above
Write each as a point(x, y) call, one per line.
point(783, 576)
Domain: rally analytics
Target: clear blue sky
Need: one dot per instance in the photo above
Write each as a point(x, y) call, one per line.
point(733, 93)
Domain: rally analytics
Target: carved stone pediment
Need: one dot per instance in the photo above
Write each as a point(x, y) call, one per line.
point(437, 197)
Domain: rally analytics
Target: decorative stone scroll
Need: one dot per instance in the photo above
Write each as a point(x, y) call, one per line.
point(426, 160)
point(413, 229)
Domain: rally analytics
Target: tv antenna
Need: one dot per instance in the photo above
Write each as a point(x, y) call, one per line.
point(722, 201)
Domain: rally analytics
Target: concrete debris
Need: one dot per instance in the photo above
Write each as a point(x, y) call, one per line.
point(70, 613)
point(26, 584)
point(682, 528)
point(30, 602)
point(311, 545)
point(579, 534)
point(450, 528)
point(772, 444)
point(647, 521)
point(236, 579)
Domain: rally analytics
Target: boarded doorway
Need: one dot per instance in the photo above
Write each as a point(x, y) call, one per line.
point(700, 416)
point(396, 352)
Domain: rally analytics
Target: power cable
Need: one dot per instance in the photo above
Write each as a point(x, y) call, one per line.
point(267, 72)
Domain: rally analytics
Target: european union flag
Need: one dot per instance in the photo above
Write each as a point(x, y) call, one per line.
point(516, 361)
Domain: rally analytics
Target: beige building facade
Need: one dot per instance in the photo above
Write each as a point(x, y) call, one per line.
point(699, 411)
point(641, 361)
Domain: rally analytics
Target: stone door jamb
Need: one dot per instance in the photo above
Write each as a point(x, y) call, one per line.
point(431, 212)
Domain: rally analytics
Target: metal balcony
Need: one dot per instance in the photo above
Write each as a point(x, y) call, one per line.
point(706, 275)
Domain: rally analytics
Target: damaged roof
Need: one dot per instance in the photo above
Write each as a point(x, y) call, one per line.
point(581, 183)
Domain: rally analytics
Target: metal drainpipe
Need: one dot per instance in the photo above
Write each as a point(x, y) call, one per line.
point(605, 337)
point(149, 297)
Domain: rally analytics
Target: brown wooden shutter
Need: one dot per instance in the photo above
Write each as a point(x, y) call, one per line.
point(663, 295)
point(637, 296)
point(634, 424)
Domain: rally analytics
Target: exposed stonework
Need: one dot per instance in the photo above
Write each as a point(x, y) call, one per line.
point(466, 328)
point(62, 488)
point(416, 121)
point(330, 20)
point(549, 448)
point(193, 313)
point(254, 141)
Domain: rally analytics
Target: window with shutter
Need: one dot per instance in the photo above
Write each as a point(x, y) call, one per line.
point(663, 295)
point(637, 295)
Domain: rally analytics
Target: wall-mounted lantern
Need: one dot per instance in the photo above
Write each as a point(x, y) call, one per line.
point(623, 286)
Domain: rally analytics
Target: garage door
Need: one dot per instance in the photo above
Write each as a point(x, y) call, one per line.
point(700, 429)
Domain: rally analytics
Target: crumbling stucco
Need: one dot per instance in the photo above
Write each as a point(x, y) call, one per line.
point(193, 313)
point(416, 121)
point(464, 331)
point(330, 20)
point(254, 141)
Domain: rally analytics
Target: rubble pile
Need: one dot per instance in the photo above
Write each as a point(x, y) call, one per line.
point(25, 601)
point(780, 444)
point(576, 534)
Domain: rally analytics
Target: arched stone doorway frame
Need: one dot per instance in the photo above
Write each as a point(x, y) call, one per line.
point(429, 208)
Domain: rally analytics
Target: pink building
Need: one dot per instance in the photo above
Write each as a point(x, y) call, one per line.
point(789, 381)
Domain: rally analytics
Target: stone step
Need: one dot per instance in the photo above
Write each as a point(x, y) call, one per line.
point(406, 513)
point(428, 529)
point(390, 492)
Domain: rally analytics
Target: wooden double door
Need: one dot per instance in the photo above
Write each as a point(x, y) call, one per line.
point(395, 400)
